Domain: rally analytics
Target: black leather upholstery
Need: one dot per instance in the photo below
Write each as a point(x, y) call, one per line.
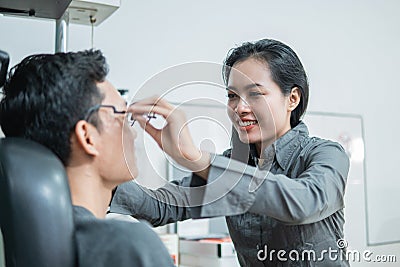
point(35, 207)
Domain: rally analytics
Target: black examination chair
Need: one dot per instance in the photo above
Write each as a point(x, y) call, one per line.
point(35, 207)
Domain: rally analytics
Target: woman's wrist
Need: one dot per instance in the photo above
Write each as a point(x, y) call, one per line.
point(197, 161)
point(203, 165)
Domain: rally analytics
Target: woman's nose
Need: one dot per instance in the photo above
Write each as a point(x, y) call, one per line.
point(242, 106)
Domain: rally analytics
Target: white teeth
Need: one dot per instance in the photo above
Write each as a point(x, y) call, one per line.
point(246, 123)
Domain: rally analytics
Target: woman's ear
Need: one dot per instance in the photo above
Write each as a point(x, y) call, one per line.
point(294, 98)
point(86, 136)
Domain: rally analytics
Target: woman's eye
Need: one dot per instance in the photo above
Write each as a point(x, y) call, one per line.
point(231, 95)
point(255, 93)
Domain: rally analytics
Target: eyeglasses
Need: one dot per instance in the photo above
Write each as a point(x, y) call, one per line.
point(130, 121)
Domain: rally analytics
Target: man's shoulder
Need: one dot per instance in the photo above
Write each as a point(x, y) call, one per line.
point(123, 231)
point(134, 228)
point(106, 241)
point(136, 239)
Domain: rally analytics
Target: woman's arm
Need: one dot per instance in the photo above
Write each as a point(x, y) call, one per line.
point(315, 194)
point(167, 204)
point(234, 187)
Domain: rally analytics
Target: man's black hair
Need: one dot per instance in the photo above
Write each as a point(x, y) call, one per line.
point(47, 94)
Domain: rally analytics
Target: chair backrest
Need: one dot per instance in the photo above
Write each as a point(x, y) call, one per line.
point(36, 216)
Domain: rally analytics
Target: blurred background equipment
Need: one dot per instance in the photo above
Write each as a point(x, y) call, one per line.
point(88, 12)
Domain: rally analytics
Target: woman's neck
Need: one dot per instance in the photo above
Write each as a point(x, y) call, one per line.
point(263, 145)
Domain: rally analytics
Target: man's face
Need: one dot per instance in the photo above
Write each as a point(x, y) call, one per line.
point(117, 161)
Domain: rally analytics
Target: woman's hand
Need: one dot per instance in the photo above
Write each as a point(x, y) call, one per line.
point(174, 138)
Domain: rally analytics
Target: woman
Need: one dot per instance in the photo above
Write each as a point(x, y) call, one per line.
point(284, 201)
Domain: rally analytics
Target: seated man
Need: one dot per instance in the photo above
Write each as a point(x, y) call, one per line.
point(64, 102)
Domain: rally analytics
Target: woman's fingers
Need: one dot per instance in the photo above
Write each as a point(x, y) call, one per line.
point(150, 129)
point(163, 103)
point(167, 111)
point(144, 110)
point(154, 100)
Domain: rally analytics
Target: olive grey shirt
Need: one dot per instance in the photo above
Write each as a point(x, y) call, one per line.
point(292, 203)
point(102, 242)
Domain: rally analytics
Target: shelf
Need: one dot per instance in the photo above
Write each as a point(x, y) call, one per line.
point(49, 9)
point(80, 12)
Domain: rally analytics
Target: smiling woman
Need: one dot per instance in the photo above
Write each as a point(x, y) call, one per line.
point(297, 203)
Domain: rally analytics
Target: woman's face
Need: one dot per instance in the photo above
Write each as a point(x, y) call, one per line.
point(257, 107)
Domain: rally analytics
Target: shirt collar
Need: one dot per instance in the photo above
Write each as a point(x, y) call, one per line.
point(82, 212)
point(284, 146)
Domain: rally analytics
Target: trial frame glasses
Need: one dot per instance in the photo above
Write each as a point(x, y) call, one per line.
point(131, 121)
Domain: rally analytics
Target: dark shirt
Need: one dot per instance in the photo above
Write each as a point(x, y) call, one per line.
point(116, 243)
point(293, 202)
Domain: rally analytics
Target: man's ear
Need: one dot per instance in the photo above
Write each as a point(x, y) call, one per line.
point(86, 136)
point(294, 98)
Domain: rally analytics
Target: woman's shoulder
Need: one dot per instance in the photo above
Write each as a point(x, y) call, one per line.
point(313, 142)
point(324, 151)
point(316, 142)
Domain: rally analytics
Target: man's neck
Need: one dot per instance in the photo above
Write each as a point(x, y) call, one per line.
point(88, 190)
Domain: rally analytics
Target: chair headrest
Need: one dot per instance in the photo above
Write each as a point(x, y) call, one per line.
point(36, 211)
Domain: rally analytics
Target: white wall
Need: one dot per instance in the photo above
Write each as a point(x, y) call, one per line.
point(349, 48)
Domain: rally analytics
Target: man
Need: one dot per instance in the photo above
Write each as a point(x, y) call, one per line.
point(64, 102)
